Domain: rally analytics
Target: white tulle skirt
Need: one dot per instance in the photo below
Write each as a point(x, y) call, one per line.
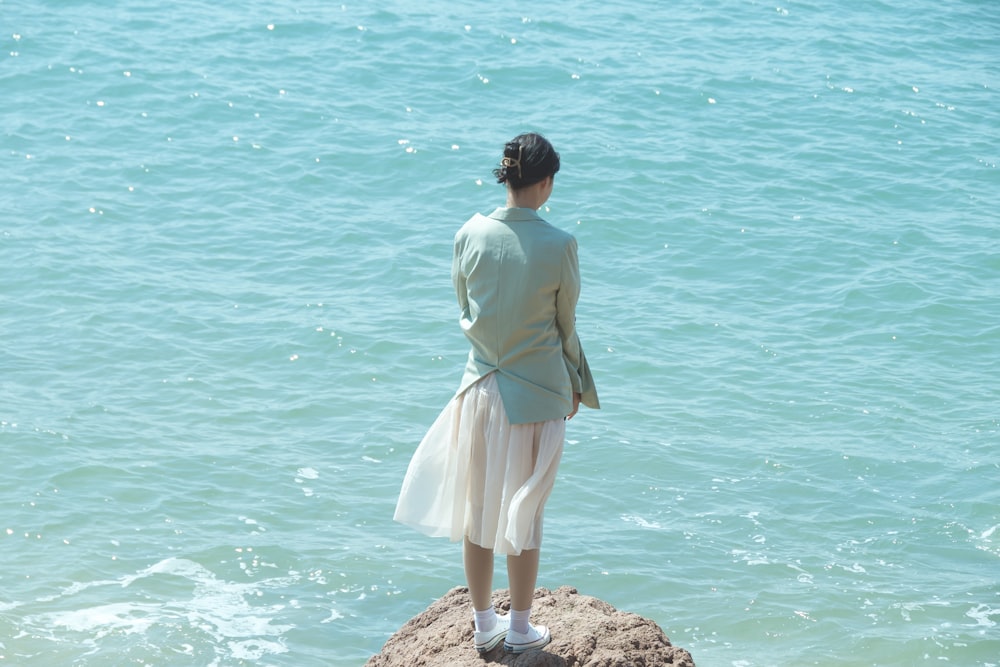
point(476, 475)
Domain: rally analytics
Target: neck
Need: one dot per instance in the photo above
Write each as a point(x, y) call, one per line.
point(532, 196)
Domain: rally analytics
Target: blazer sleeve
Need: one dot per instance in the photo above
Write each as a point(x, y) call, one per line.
point(566, 299)
point(458, 278)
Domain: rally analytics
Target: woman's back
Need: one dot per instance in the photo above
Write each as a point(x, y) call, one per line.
point(516, 281)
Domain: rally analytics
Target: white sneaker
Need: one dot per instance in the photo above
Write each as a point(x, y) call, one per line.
point(537, 636)
point(487, 641)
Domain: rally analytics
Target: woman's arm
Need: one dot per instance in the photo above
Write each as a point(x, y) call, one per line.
point(576, 362)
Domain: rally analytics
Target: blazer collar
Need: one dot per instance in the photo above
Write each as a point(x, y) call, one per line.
point(514, 214)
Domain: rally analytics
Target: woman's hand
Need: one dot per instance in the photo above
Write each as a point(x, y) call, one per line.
point(576, 405)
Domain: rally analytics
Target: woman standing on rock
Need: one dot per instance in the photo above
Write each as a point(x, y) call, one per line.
point(486, 467)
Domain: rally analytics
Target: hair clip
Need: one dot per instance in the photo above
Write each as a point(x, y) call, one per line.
point(509, 162)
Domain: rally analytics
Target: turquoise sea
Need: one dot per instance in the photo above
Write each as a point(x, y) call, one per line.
point(227, 319)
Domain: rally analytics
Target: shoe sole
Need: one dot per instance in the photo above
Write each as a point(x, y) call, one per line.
point(524, 648)
point(489, 646)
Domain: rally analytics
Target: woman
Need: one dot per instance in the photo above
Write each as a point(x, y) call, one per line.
point(486, 467)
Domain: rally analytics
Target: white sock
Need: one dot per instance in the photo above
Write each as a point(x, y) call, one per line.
point(485, 620)
point(519, 620)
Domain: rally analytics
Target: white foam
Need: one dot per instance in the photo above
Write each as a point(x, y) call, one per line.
point(334, 616)
point(641, 522)
point(982, 614)
point(255, 649)
point(121, 617)
point(212, 605)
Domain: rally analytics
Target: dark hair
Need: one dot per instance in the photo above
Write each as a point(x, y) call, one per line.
point(527, 159)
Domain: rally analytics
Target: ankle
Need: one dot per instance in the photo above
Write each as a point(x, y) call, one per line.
point(485, 620)
point(519, 620)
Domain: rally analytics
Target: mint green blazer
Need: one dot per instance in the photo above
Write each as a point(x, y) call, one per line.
point(517, 280)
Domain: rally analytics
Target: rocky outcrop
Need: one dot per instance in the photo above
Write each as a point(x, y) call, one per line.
point(586, 632)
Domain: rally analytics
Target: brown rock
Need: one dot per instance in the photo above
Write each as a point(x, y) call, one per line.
point(586, 632)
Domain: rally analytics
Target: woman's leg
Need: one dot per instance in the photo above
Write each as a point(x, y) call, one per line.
point(479, 574)
point(522, 571)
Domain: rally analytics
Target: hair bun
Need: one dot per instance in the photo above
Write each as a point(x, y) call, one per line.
point(527, 159)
